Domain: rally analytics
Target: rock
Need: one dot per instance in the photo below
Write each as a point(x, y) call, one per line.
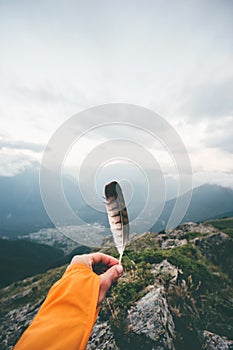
point(167, 317)
point(173, 243)
point(177, 237)
point(102, 337)
point(211, 341)
point(166, 241)
point(14, 323)
point(180, 231)
point(217, 247)
point(149, 323)
point(151, 317)
point(166, 270)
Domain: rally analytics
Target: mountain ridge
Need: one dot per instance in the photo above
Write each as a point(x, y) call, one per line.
point(22, 210)
point(174, 293)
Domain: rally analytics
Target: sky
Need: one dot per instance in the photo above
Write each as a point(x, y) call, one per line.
point(173, 57)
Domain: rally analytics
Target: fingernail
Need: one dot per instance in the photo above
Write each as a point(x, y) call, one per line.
point(119, 269)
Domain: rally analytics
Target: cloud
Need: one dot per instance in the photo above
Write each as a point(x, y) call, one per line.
point(220, 134)
point(211, 99)
point(15, 156)
point(21, 145)
point(48, 93)
point(12, 164)
point(174, 58)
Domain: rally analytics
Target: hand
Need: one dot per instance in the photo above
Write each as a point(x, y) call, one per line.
point(104, 265)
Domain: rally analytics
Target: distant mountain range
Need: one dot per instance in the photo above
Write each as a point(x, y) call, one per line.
point(208, 202)
point(21, 207)
point(22, 210)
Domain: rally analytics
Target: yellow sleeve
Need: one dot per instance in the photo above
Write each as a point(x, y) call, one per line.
point(66, 317)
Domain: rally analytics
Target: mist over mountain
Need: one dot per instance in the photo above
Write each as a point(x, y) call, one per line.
point(22, 210)
point(21, 207)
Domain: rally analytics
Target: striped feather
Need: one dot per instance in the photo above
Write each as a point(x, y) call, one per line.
point(117, 216)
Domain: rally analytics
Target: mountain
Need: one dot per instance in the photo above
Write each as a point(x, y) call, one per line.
point(67, 258)
point(175, 294)
point(22, 210)
point(20, 259)
point(207, 202)
point(21, 207)
point(23, 258)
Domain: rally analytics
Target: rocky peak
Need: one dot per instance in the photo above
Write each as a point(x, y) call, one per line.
point(175, 294)
point(151, 318)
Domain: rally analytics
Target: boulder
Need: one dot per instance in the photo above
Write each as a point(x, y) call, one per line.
point(151, 318)
point(217, 247)
point(173, 243)
point(211, 341)
point(102, 337)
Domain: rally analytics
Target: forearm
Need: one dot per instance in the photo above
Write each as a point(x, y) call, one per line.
point(66, 318)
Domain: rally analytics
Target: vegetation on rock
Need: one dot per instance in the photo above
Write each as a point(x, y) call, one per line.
point(197, 286)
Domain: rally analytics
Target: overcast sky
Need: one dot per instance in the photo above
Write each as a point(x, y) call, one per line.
point(173, 57)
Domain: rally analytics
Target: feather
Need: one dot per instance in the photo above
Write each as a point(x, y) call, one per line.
point(117, 215)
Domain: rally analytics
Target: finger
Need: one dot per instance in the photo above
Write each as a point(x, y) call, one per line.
point(107, 279)
point(83, 259)
point(104, 259)
point(100, 268)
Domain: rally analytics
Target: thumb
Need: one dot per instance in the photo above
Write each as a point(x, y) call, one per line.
point(107, 279)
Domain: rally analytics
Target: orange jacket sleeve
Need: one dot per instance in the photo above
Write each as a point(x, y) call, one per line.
point(66, 317)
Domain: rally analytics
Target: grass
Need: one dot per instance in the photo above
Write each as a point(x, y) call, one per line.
point(191, 235)
point(225, 225)
point(32, 290)
point(201, 298)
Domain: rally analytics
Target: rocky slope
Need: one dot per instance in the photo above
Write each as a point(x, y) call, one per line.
point(176, 293)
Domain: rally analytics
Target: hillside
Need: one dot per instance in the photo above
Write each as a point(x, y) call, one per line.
point(23, 258)
point(176, 293)
point(20, 259)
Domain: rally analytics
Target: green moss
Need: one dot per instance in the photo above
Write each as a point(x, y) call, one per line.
point(187, 258)
point(221, 223)
point(205, 292)
point(191, 235)
point(201, 298)
point(224, 225)
point(131, 287)
point(228, 231)
point(32, 290)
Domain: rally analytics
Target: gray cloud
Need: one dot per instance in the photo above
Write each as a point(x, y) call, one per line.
point(39, 93)
point(219, 135)
point(47, 94)
point(211, 100)
point(173, 57)
point(14, 164)
point(22, 145)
